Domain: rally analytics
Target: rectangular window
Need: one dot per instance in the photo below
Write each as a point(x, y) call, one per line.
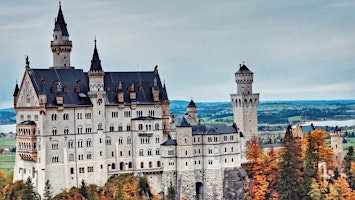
point(72, 170)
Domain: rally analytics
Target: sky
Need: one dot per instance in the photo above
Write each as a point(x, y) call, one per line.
point(298, 50)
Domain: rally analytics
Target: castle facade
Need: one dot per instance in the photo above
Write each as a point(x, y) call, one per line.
point(74, 125)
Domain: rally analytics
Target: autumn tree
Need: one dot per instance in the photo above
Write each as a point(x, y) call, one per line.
point(316, 151)
point(340, 190)
point(290, 166)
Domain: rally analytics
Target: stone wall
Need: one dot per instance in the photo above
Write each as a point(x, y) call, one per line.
point(233, 184)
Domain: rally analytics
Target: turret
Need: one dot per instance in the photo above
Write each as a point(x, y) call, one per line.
point(96, 74)
point(192, 113)
point(336, 140)
point(61, 45)
point(244, 79)
point(15, 94)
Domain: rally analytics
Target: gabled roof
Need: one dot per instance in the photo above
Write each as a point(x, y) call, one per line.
point(45, 81)
point(75, 86)
point(60, 24)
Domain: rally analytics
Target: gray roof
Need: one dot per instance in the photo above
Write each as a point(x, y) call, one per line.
point(46, 81)
point(192, 104)
point(28, 122)
point(244, 69)
point(145, 118)
point(183, 123)
point(169, 142)
point(212, 129)
point(60, 24)
point(95, 62)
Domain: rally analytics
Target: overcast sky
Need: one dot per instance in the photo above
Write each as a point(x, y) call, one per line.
point(300, 49)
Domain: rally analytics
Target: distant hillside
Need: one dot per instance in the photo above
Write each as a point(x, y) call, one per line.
point(270, 113)
point(275, 112)
point(7, 116)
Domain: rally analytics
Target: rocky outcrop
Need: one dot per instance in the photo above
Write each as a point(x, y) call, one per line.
point(233, 183)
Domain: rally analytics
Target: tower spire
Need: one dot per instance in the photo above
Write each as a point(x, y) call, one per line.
point(61, 45)
point(95, 62)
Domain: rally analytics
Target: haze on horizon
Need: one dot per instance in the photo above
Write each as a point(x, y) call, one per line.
point(298, 50)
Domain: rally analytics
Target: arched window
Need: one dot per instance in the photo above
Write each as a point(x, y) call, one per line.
point(108, 140)
point(66, 130)
point(130, 165)
point(70, 144)
point(157, 151)
point(113, 166)
point(149, 152)
point(71, 157)
point(129, 140)
point(142, 165)
point(88, 142)
point(99, 126)
point(150, 164)
point(156, 126)
point(80, 143)
point(55, 145)
point(158, 163)
point(121, 165)
point(141, 152)
point(140, 127)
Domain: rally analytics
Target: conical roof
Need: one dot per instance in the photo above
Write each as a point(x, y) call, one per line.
point(16, 90)
point(60, 22)
point(95, 62)
point(244, 69)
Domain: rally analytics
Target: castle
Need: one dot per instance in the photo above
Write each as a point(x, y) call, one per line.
point(74, 125)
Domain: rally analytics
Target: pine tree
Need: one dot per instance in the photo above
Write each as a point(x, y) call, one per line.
point(47, 191)
point(288, 185)
point(171, 192)
point(348, 159)
point(29, 191)
point(83, 190)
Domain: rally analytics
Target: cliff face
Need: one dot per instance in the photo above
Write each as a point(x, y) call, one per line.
point(233, 183)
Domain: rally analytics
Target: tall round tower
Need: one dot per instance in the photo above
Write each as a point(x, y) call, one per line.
point(245, 104)
point(192, 113)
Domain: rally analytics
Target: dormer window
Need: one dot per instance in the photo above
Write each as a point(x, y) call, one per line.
point(53, 90)
point(77, 89)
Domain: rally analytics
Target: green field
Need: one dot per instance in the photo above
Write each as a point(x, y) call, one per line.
point(7, 160)
point(7, 143)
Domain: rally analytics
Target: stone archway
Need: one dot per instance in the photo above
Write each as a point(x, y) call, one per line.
point(199, 191)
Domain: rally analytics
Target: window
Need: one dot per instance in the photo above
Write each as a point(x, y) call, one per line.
point(36, 117)
point(99, 126)
point(55, 145)
point(149, 152)
point(171, 152)
point(158, 164)
point(141, 152)
point(156, 126)
point(89, 156)
point(81, 170)
point(231, 137)
point(120, 127)
point(128, 127)
point(121, 153)
point(112, 128)
point(91, 169)
point(88, 143)
point(88, 129)
point(114, 114)
point(157, 151)
point(209, 139)
point(113, 166)
point(142, 164)
point(140, 127)
point(71, 157)
point(55, 159)
point(72, 170)
point(108, 140)
point(112, 154)
point(151, 112)
point(130, 165)
point(79, 115)
point(65, 116)
point(81, 157)
point(54, 117)
point(80, 143)
point(215, 139)
point(150, 164)
point(120, 140)
point(232, 149)
point(225, 138)
point(139, 113)
point(54, 131)
point(80, 130)
point(70, 144)
point(185, 153)
point(129, 140)
point(66, 130)
point(157, 139)
point(127, 114)
point(87, 115)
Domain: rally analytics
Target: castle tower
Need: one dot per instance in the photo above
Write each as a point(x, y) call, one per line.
point(245, 104)
point(192, 113)
point(336, 140)
point(61, 45)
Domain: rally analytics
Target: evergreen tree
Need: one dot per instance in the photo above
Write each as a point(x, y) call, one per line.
point(47, 191)
point(288, 186)
point(83, 190)
point(28, 191)
point(348, 159)
point(171, 192)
